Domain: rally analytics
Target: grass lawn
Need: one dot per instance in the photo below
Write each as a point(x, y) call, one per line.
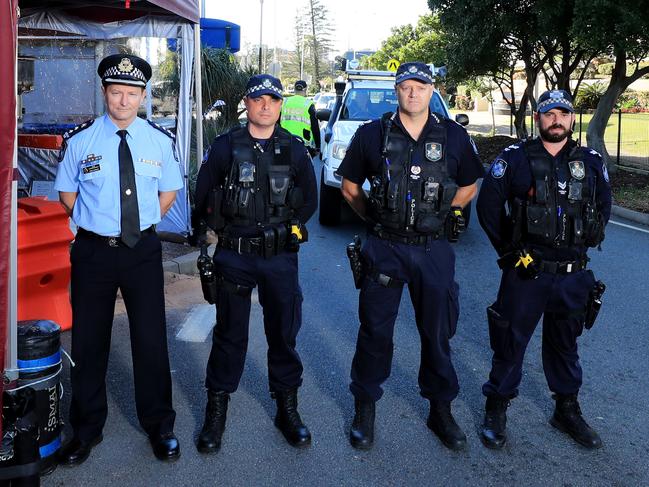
point(634, 137)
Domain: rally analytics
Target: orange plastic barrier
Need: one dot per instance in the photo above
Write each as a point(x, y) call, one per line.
point(44, 238)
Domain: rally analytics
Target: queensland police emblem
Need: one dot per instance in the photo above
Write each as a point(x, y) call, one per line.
point(433, 151)
point(125, 65)
point(498, 168)
point(266, 83)
point(412, 69)
point(577, 169)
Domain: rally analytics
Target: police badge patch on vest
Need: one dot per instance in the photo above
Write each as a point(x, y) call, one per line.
point(498, 168)
point(577, 169)
point(433, 151)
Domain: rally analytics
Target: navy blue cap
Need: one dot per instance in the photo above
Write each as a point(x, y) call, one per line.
point(419, 71)
point(124, 69)
point(555, 99)
point(300, 85)
point(264, 84)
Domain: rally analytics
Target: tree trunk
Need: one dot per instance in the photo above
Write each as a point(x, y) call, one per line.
point(519, 118)
point(597, 125)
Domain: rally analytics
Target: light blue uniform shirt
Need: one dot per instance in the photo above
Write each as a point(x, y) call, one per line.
point(90, 167)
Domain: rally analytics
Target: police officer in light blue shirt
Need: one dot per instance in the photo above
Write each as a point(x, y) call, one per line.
point(117, 176)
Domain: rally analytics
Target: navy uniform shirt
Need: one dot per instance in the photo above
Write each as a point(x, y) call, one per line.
point(363, 158)
point(510, 176)
point(90, 167)
point(216, 167)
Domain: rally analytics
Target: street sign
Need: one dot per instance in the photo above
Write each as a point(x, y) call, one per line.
point(393, 65)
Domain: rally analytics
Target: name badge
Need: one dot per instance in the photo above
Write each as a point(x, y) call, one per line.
point(91, 168)
point(150, 162)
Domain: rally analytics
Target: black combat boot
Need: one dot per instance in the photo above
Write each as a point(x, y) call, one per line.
point(567, 418)
point(444, 426)
point(288, 419)
point(209, 439)
point(361, 434)
point(493, 433)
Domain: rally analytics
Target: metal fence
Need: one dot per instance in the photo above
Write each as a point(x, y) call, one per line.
point(626, 137)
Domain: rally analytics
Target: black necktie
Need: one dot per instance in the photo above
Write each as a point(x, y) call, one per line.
point(130, 219)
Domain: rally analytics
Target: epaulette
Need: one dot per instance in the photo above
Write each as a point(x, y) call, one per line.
point(169, 134)
point(70, 133)
point(512, 147)
point(593, 152)
point(165, 131)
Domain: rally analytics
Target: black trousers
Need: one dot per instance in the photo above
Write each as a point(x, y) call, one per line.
point(98, 271)
point(561, 300)
point(281, 299)
point(429, 271)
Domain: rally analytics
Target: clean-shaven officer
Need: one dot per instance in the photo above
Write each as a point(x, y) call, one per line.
point(118, 175)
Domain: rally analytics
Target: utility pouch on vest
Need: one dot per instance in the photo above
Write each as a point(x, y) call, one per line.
point(594, 231)
point(541, 193)
point(214, 216)
point(537, 221)
point(393, 195)
point(279, 181)
point(376, 191)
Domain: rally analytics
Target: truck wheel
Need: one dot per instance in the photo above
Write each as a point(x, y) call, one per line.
point(330, 199)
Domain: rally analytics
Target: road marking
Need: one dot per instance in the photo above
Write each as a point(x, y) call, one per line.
point(198, 324)
point(629, 226)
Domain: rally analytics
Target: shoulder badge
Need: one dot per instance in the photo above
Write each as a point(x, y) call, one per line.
point(498, 168)
point(73, 131)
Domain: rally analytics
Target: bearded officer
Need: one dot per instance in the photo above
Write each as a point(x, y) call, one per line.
point(422, 170)
point(257, 189)
point(543, 204)
point(117, 177)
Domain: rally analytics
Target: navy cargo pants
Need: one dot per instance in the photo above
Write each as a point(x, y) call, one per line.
point(429, 272)
point(281, 299)
point(561, 299)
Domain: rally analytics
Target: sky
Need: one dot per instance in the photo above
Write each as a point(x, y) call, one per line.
point(359, 24)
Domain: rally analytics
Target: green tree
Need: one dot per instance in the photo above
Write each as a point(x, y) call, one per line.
point(423, 42)
point(621, 29)
point(490, 37)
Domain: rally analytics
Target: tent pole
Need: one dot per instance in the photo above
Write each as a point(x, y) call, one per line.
point(11, 358)
point(198, 87)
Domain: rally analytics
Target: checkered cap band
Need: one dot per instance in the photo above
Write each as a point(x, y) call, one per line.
point(264, 87)
point(113, 72)
point(557, 101)
point(418, 73)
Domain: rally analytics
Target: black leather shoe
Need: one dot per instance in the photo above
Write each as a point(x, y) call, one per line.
point(77, 451)
point(288, 419)
point(166, 447)
point(209, 439)
point(442, 423)
point(567, 418)
point(361, 434)
point(494, 428)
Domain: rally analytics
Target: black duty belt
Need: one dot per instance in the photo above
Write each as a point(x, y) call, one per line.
point(242, 245)
point(111, 241)
point(410, 240)
point(568, 267)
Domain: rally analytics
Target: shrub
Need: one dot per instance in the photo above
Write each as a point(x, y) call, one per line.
point(589, 95)
point(463, 102)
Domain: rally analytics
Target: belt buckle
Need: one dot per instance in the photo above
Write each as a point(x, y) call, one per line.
point(112, 242)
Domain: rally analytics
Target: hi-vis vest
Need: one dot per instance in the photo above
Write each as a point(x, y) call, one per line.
point(260, 185)
point(407, 198)
point(295, 117)
point(561, 210)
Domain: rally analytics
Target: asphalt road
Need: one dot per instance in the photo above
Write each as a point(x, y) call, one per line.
point(614, 397)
